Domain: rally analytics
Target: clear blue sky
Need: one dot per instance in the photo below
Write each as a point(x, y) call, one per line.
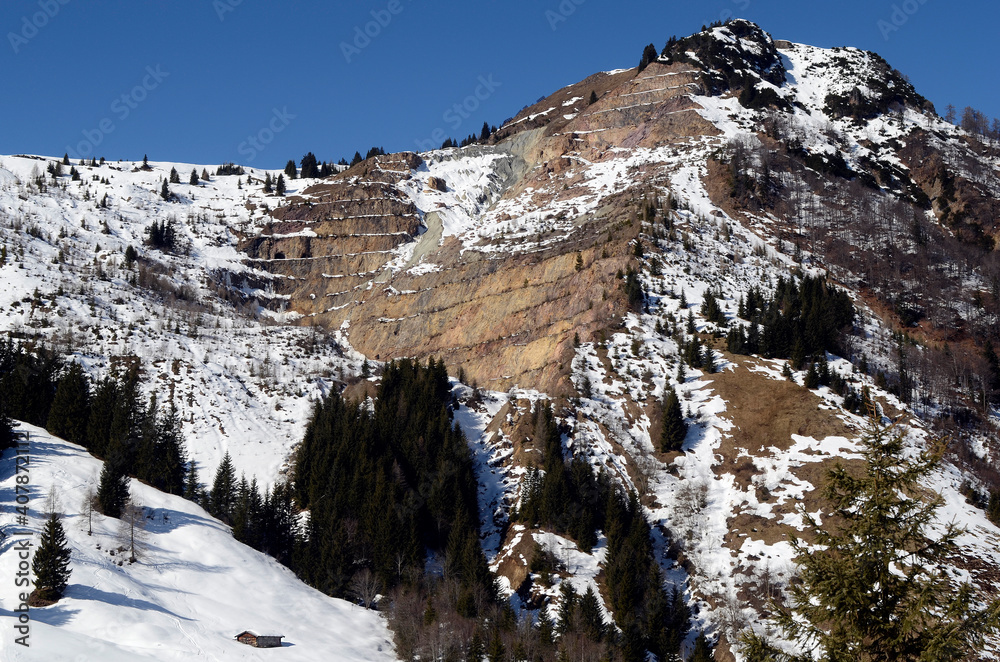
point(193, 80)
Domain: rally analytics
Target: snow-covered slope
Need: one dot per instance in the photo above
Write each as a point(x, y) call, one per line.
point(242, 381)
point(193, 589)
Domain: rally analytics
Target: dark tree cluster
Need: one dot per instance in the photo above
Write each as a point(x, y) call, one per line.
point(649, 55)
point(650, 617)
point(472, 138)
point(798, 320)
point(135, 439)
point(565, 497)
point(29, 375)
point(311, 168)
point(162, 235)
point(229, 169)
point(265, 521)
point(109, 419)
point(388, 484)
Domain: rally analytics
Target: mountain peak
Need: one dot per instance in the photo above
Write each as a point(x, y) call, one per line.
point(733, 55)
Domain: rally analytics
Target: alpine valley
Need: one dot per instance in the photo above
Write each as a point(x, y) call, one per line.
point(570, 391)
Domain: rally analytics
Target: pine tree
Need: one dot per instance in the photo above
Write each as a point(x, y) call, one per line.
point(130, 256)
point(145, 162)
point(51, 562)
point(674, 426)
point(8, 438)
point(291, 170)
point(872, 585)
point(591, 618)
point(267, 183)
point(310, 167)
point(113, 490)
point(484, 135)
point(193, 181)
point(702, 651)
point(224, 490)
point(546, 629)
point(175, 178)
point(812, 377)
point(65, 160)
point(192, 488)
point(710, 309)
point(593, 98)
point(279, 185)
point(204, 175)
point(165, 191)
point(649, 55)
point(70, 409)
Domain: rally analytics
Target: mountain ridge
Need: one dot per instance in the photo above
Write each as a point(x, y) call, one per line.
point(569, 261)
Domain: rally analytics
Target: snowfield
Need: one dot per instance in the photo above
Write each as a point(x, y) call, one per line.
point(193, 589)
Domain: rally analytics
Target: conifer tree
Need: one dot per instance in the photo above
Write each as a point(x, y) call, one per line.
point(113, 489)
point(649, 55)
point(593, 98)
point(674, 426)
point(7, 435)
point(702, 651)
point(310, 167)
point(872, 585)
point(204, 175)
point(224, 490)
point(710, 309)
point(279, 185)
point(165, 191)
point(193, 180)
point(175, 178)
point(70, 409)
point(102, 409)
point(192, 488)
point(130, 256)
point(145, 162)
point(291, 170)
point(51, 562)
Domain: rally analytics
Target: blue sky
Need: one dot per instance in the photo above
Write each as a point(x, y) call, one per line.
point(260, 82)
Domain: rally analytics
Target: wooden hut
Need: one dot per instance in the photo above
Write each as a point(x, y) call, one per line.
point(251, 638)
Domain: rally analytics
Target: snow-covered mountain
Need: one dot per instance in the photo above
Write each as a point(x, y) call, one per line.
point(728, 163)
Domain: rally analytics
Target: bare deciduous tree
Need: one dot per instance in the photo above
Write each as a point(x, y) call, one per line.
point(365, 587)
point(87, 507)
point(132, 530)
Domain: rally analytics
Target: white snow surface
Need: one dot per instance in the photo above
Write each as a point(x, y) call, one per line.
point(188, 595)
point(242, 383)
